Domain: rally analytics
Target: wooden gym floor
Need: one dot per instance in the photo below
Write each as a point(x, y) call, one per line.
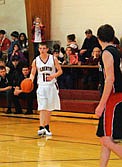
point(73, 144)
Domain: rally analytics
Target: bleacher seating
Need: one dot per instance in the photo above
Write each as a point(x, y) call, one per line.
point(79, 101)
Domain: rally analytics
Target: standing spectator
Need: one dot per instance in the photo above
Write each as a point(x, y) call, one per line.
point(48, 70)
point(14, 36)
point(109, 109)
point(23, 43)
point(4, 45)
point(89, 43)
point(38, 34)
point(6, 87)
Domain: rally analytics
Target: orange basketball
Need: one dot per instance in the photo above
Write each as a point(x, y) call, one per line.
point(27, 85)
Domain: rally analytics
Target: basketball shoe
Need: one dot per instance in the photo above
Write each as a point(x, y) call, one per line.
point(41, 131)
point(47, 131)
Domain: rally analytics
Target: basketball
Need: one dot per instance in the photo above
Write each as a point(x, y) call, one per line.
point(27, 85)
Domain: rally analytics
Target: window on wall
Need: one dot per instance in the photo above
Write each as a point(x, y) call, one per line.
point(2, 2)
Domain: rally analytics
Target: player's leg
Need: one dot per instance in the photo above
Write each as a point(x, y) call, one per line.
point(114, 147)
point(104, 157)
point(42, 116)
point(47, 122)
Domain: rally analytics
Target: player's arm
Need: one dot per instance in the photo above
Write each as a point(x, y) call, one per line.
point(58, 70)
point(109, 80)
point(33, 70)
point(5, 89)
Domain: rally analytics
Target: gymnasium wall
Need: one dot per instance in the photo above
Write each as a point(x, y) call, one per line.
point(67, 16)
point(75, 16)
point(12, 16)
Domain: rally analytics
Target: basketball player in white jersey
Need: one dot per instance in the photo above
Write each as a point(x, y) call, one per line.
point(48, 69)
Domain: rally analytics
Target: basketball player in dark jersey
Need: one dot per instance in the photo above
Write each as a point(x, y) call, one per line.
point(109, 109)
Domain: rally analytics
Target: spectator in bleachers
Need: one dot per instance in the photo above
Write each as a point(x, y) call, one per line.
point(15, 68)
point(14, 36)
point(4, 45)
point(90, 77)
point(17, 52)
point(57, 53)
point(89, 43)
point(71, 57)
point(18, 94)
point(38, 34)
point(95, 57)
point(23, 43)
point(6, 87)
point(2, 63)
point(69, 76)
point(71, 42)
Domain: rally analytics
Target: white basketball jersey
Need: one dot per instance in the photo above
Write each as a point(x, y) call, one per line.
point(45, 69)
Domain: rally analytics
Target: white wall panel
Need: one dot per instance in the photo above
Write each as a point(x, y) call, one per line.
point(75, 16)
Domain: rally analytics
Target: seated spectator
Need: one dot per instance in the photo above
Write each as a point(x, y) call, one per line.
point(17, 52)
point(90, 77)
point(95, 57)
point(57, 50)
point(14, 36)
point(4, 45)
point(23, 43)
point(6, 87)
point(70, 57)
point(18, 94)
point(2, 63)
point(89, 43)
point(68, 78)
point(15, 68)
point(71, 42)
point(57, 53)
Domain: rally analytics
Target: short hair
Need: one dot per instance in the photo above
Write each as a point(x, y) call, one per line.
point(25, 65)
point(71, 37)
point(15, 58)
point(43, 44)
point(88, 31)
point(15, 34)
point(2, 32)
point(106, 33)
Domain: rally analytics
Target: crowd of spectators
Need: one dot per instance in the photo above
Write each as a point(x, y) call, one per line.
point(14, 63)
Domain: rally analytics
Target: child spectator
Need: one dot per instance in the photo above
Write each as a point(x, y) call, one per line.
point(67, 79)
point(71, 57)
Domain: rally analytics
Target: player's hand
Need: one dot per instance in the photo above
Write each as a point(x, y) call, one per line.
point(50, 77)
point(99, 110)
point(17, 92)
